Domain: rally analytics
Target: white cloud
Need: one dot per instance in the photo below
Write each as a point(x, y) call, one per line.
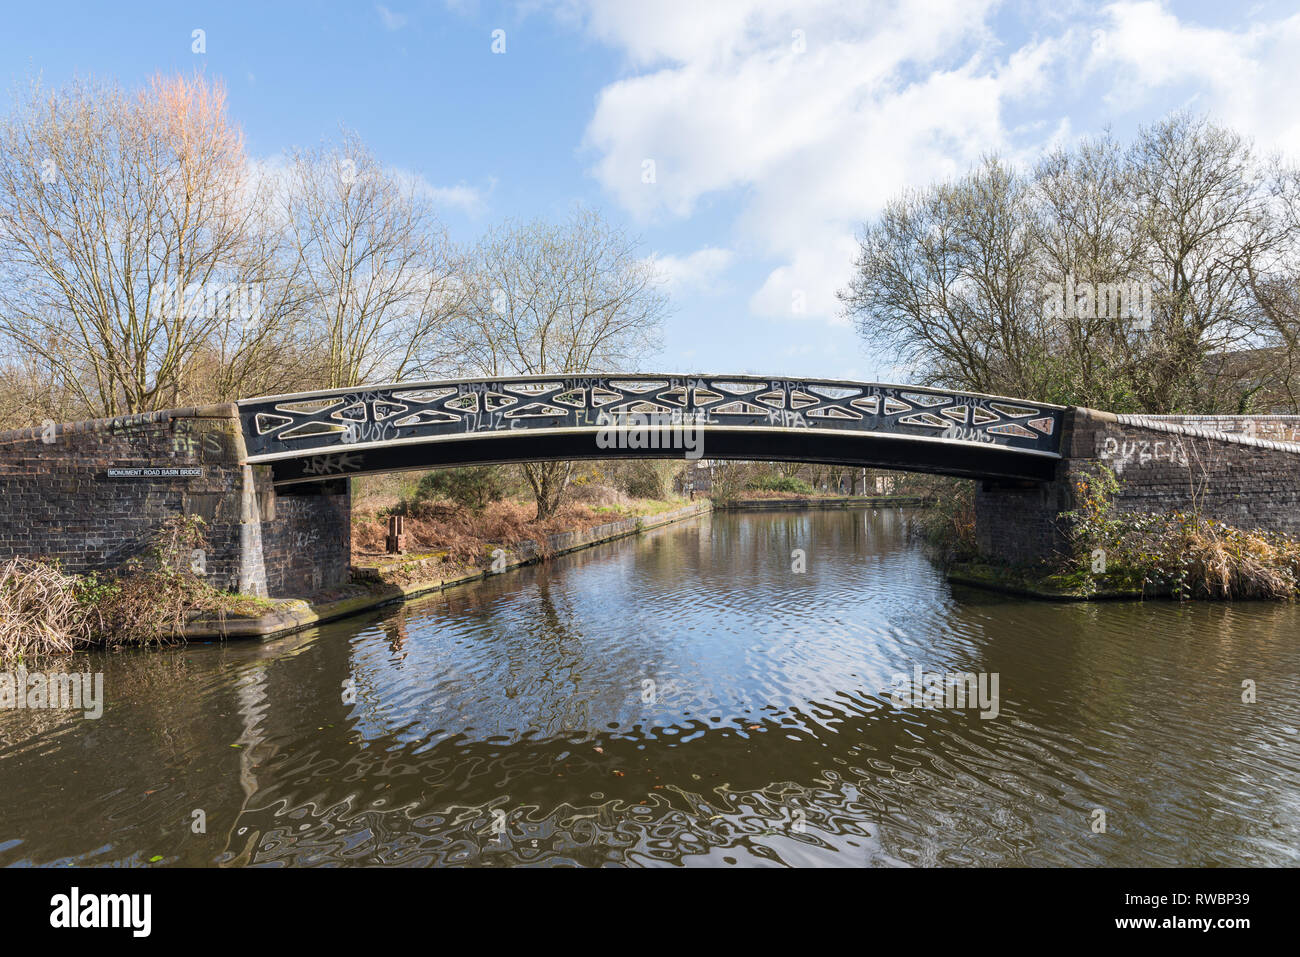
point(750, 104)
point(468, 199)
point(390, 20)
point(811, 140)
point(814, 137)
point(805, 287)
point(1245, 78)
point(276, 171)
point(698, 271)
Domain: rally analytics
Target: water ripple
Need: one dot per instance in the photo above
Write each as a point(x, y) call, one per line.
point(686, 699)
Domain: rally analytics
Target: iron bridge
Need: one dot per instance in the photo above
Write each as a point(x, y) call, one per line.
point(318, 436)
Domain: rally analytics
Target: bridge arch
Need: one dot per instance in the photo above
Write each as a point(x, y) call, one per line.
point(319, 436)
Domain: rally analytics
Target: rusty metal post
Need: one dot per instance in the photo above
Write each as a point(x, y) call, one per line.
point(396, 541)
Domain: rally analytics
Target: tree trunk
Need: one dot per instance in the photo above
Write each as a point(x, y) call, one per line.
point(548, 480)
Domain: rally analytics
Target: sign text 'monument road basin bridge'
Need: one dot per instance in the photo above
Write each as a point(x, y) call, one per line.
point(270, 475)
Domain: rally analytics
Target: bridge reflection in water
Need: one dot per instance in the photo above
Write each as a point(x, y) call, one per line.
point(508, 723)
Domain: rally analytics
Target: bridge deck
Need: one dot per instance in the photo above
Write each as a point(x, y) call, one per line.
point(314, 436)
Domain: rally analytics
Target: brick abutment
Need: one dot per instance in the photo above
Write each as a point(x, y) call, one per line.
point(1240, 470)
point(92, 495)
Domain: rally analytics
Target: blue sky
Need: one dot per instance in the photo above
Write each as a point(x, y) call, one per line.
point(775, 127)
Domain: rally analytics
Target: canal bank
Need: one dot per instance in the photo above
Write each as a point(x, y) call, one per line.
point(382, 583)
point(379, 583)
point(1044, 586)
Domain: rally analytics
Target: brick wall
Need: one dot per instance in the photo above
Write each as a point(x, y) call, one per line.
point(1019, 523)
point(308, 545)
point(60, 501)
point(1161, 465)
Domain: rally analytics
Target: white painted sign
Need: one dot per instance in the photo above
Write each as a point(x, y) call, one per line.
point(144, 473)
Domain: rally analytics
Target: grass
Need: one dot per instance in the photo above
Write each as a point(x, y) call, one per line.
point(1042, 581)
point(239, 605)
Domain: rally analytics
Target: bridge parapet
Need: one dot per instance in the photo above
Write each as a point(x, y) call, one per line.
point(1265, 428)
point(400, 425)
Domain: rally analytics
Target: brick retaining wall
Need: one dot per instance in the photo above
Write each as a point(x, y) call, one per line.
point(61, 502)
point(1161, 466)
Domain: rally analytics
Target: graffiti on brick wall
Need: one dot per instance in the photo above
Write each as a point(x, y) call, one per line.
point(1122, 454)
point(137, 433)
point(1275, 431)
point(208, 440)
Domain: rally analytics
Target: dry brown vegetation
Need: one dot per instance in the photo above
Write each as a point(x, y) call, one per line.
point(1191, 556)
point(148, 600)
point(1186, 554)
point(1226, 561)
point(41, 611)
point(468, 537)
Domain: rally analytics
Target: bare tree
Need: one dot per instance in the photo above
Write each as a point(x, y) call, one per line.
point(124, 224)
point(1204, 216)
point(1275, 283)
point(550, 298)
point(378, 274)
point(957, 278)
point(1084, 229)
point(945, 279)
point(32, 392)
point(278, 348)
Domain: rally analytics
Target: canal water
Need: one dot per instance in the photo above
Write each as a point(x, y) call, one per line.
point(720, 692)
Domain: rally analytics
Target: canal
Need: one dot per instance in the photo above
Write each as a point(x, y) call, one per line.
point(719, 692)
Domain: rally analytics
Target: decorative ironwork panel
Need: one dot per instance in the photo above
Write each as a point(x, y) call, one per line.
point(344, 420)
